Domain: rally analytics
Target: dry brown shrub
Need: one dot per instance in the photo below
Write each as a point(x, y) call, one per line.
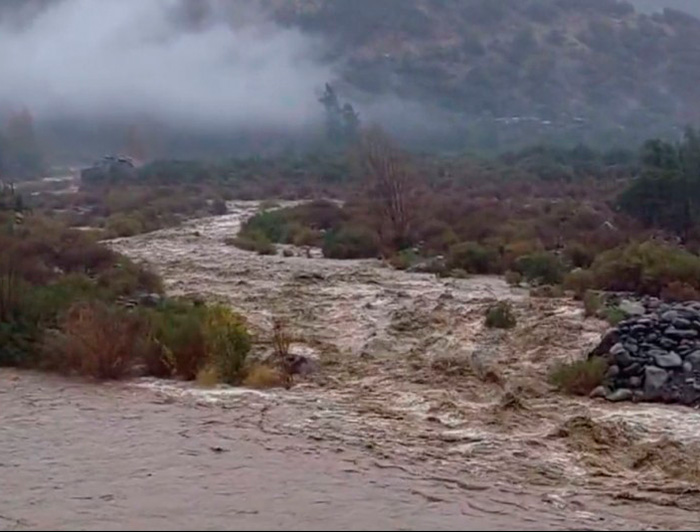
point(101, 341)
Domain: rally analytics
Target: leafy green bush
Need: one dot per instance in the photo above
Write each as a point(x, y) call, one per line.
point(540, 268)
point(501, 316)
point(178, 329)
point(228, 343)
point(473, 258)
point(579, 281)
point(646, 268)
point(350, 242)
point(592, 303)
point(580, 377)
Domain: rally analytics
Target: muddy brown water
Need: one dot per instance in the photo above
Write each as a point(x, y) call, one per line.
point(418, 417)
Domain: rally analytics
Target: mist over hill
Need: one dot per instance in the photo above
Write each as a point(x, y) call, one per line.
point(216, 77)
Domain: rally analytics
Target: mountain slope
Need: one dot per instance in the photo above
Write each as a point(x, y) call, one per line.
point(558, 60)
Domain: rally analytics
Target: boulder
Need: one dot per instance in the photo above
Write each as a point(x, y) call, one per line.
point(654, 380)
point(632, 308)
point(622, 394)
point(668, 360)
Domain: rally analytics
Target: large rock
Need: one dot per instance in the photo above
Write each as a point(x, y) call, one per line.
point(654, 380)
point(632, 308)
point(623, 394)
point(668, 360)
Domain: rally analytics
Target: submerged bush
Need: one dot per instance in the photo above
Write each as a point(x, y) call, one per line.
point(253, 241)
point(580, 377)
point(501, 316)
point(351, 242)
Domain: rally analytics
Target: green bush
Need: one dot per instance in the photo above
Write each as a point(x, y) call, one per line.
point(613, 315)
point(123, 225)
point(646, 268)
point(580, 377)
point(351, 242)
point(253, 241)
point(178, 329)
point(501, 316)
point(473, 258)
point(592, 303)
point(540, 268)
point(228, 343)
point(579, 281)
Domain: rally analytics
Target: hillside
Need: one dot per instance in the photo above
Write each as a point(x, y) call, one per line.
point(555, 63)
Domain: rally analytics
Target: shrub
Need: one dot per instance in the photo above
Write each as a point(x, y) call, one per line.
point(350, 242)
point(501, 316)
point(178, 329)
point(208, 376)
point(613, 315)
point(123, 225)
point(404, 259)
point(579, 255)
point(580, 377)
point(473, 258)
point(579, 281)
point(218, 207)
point(227, 342)
point(679, 291)
point(513, 278)
point(263, 376)
point(547, 290)
point(591, 303)
point(253, 241)
point(281, 340)
point(646, 268)
point(100, 341)
point(541, 268)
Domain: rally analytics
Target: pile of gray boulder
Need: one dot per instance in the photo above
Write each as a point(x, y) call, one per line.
point(654, 354)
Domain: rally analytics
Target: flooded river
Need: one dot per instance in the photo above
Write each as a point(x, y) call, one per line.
point(418, 417)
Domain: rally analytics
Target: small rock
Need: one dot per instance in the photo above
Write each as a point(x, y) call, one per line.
point(617, 349)
point(668, 360)
point(631, 347)
point(623, 394)
point(687, 367)
point(654, 380)
point(632, 308)
point(600, 391)
point(635, 382)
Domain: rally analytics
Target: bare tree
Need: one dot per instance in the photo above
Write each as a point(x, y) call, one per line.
point(386, 170)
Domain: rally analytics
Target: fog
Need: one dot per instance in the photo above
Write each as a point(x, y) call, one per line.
point(204, 65)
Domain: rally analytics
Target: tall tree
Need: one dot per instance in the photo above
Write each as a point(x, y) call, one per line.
point(386, 171)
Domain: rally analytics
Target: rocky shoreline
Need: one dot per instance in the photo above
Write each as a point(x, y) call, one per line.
point(654, 354)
